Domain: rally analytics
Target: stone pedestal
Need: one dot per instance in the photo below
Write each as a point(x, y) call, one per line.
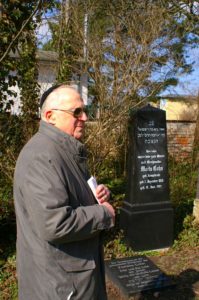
point(147, 227)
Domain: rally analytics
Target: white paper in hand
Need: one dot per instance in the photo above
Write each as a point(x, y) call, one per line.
point(93, 185)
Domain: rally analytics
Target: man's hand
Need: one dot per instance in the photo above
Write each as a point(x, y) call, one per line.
point(103, 196)
point(102, 193)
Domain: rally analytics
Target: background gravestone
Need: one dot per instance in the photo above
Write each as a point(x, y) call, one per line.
point(196, 202)
point(147, 216)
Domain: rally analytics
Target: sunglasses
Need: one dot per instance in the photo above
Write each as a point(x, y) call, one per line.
point(76, 113)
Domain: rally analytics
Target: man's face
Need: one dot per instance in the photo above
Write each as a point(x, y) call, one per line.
point(66, 121)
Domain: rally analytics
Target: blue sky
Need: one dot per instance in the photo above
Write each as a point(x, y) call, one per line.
point(189, 83)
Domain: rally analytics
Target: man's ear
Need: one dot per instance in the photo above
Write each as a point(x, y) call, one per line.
point(50, 117)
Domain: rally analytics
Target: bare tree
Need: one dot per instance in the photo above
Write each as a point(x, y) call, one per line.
point(134, 50)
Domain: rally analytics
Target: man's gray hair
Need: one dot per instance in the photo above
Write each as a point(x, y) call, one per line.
point(54, 98)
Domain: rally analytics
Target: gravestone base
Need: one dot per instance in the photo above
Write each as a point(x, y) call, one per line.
point(147, 228)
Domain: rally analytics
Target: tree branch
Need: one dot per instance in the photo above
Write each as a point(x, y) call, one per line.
point(20, 31)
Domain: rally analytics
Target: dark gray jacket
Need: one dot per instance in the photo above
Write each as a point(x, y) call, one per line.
point(59, 253)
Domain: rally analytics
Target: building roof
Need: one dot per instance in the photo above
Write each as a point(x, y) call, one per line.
point(41, 55)
point(177, 97)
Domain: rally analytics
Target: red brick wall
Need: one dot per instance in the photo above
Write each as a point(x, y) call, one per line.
point(180, 137)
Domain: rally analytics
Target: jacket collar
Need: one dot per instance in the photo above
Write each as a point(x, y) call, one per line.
point(68, 142)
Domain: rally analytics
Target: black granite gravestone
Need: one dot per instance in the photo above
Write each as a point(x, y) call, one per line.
point(135, 275)
point(147, 216)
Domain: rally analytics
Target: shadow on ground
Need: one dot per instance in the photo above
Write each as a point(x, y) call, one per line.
point(186, 288)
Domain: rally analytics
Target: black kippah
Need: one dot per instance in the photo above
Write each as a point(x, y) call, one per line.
point(47, 93)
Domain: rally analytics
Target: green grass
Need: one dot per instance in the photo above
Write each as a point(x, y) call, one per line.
point(8, 283)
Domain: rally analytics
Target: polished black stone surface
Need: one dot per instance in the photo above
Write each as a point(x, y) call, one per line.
point(136, 274)
point(147, 215)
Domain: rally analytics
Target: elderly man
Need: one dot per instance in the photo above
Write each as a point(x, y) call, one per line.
point(59, 248)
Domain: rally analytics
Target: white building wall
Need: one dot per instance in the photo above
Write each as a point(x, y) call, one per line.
point(47, 74)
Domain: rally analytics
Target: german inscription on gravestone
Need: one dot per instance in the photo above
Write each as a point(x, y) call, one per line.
point(136, 274)
point(150, 161)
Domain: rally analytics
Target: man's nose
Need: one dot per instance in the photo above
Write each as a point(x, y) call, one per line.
point(84, 117)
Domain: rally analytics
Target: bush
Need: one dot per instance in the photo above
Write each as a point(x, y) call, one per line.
point(189, 236)
point(183, 182)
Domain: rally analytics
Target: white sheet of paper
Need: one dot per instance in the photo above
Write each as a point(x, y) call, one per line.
point(93, 185)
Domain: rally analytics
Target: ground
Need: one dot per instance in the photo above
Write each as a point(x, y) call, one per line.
point(182, 266)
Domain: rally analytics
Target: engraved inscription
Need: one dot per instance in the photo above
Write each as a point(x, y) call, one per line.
point(136, 274)
point(151, 160)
